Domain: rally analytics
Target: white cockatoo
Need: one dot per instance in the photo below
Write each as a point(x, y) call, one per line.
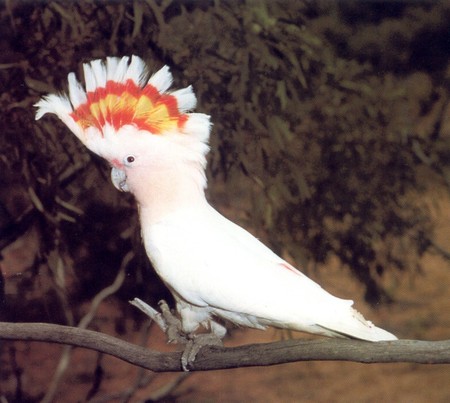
point(214, 268)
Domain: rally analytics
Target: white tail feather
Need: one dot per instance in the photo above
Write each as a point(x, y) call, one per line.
point(352, 324)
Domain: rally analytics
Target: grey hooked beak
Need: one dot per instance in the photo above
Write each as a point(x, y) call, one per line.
point(119, 179)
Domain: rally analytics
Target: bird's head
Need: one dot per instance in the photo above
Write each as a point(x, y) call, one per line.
point(130, 119)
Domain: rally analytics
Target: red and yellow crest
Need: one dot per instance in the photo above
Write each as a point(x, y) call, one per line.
point(120, 104)
point(119, 92)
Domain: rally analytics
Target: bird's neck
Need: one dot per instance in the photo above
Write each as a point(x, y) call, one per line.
point(164, 191)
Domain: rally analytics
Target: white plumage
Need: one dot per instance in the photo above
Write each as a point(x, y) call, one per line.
point(162, 79)
point(213, 267)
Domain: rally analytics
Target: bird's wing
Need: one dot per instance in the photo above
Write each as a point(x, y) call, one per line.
point(210, 261)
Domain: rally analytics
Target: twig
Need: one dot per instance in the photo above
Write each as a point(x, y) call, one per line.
point(143, 377)
point(209, 358)
point(439, 249)
point(84, 322)
point(167, 389)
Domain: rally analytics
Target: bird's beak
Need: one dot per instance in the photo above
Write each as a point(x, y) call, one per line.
point(119, 179)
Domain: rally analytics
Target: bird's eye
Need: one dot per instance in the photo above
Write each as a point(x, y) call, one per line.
point(130, 159)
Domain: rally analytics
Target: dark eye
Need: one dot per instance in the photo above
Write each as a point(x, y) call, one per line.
point(130, 159)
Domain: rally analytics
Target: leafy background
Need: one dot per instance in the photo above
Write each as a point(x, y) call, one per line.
point(330, 140)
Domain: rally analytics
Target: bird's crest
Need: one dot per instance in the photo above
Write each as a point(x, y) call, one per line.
point(119, 93)
point(124, 103)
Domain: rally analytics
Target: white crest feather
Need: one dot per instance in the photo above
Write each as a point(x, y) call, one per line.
point(59, 105)
point(76, 91)
point(121, 69)
point(186, 99)
point(111, 67)
point(52, 103)
point(137, 71)
point(198, 125)
point(99, 71)
point(162, 79)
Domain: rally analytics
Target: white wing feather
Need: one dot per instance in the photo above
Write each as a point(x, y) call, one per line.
point(243, 280)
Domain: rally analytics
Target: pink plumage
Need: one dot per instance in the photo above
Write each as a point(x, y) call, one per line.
point(214, 268)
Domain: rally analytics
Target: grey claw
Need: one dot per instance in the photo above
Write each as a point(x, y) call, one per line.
point(194, 346)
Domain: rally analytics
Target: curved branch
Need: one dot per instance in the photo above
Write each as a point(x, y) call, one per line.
point(423, 352)
point(444, 252)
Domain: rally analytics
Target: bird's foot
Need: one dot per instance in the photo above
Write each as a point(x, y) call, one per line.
point(165, 319)
point(194, 345)
point(172, 327)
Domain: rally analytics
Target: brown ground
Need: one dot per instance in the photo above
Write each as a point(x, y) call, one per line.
point(421, 311)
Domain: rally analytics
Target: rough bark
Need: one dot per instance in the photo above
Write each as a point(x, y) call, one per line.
point(209, 358)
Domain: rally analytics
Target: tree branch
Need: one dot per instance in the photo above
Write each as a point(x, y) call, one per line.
point(445, 253)
point(209, 358)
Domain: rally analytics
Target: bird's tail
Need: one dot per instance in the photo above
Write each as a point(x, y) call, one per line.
point(355, 326)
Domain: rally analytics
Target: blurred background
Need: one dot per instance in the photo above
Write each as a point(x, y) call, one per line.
point(331, 143)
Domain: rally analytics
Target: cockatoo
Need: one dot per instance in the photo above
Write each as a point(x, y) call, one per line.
point(214, 268)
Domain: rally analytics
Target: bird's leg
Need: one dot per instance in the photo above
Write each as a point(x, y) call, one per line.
point(173, 328)
point(197, 341)
point(165, 319)
point(151, 312)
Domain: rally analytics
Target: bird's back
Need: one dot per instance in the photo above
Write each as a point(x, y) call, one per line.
point(210, 261)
